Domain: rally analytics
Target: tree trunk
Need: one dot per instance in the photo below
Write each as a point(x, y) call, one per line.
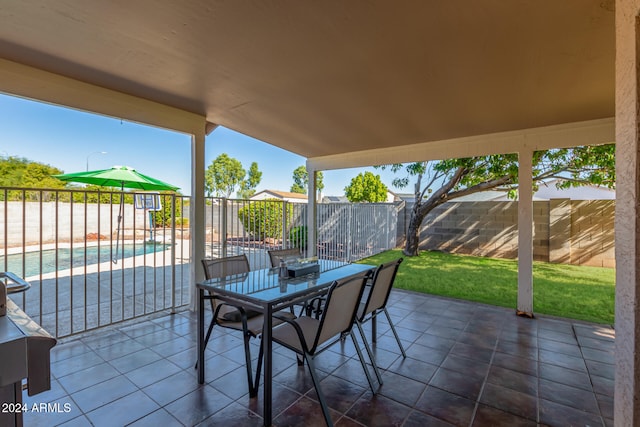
point(422, 208)
point(418, 213)
point(413, 237)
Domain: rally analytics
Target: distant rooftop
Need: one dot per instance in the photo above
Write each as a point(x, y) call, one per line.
point(282, 195)
point(546, 191)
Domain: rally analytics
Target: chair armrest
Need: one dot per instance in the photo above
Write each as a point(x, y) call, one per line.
point(286, 319)
point(296, 327)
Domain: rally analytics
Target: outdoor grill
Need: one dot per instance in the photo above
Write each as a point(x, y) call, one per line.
point(25, 347)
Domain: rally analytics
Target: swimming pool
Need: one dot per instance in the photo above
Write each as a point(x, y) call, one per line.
point(66, 258)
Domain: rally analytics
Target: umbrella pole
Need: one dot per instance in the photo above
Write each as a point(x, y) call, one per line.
point(120, 215)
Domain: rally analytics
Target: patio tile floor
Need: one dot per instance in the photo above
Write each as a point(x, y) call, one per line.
point(467, 365)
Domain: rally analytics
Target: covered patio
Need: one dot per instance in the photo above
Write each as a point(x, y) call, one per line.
point(467, 365)
point(350, 84)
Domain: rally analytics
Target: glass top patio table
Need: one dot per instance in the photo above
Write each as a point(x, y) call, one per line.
point(265, 291)
point(260, 287)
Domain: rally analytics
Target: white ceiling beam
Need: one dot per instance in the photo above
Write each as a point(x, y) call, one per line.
point(591, 132)
point(28, 82)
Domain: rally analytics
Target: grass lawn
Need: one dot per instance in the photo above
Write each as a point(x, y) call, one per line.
point(570, 291)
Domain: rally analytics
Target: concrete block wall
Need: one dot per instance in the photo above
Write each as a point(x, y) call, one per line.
point(565, 231)
point(592, 238)
point(34, 222)
point(483, 229)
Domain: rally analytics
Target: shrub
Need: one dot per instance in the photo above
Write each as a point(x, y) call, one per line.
point(162, 218)
point(298, 236)
point(263, 219)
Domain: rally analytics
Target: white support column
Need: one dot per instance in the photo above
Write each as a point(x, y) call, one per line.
point(197, 212)
point(627, 223)
point(525, 232)
point(312, 247)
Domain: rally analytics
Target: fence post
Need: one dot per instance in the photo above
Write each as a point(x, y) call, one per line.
point(388, 244)
point(223, 226)
point(284, 224)
point(349, 240)
point(173, 253)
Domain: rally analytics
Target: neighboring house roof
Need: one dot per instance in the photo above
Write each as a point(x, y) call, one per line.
point(391, 197)
point(407, 197)
point(486, 196)
point(282, 195)
point(546, 191)
point(335, 199)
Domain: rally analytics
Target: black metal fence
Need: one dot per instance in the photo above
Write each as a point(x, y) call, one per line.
point(89, 269)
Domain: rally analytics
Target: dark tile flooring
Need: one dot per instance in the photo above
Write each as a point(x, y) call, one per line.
point(467, 365)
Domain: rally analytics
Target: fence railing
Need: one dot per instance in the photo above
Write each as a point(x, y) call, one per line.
point(349, 232)
point(345, 232)
point(88, 271)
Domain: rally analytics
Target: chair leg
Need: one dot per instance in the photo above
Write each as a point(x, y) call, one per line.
point(206, 340)
point(369, 352)
point(258, 369)
point(209, 330)
point(364, 365)
point(316, 384)
point(395, 334)
point(374, 327)
point(247, 355)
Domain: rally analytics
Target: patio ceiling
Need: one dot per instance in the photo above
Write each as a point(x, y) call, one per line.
point(332, 77)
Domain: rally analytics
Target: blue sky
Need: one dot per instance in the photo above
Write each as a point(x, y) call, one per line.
point(67, 139)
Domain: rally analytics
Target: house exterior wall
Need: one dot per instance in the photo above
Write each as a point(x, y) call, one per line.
point(576, 232)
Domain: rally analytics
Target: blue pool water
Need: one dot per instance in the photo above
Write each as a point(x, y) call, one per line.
point(76, 258)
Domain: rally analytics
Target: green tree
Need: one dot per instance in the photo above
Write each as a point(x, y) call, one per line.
point(21, 172)
point(11, 170)
point(366, 187)
point(39, 175)
point(301, 181)
point(440, 181)
point(248, 186)
point(223, 175)
point(263, 218)
point(162, 218)
point(24, 173)
point(95, 193)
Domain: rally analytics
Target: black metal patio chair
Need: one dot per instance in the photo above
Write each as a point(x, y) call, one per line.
point(375, 302)
point(308, 336)
point(228, 315)
point(275, 255)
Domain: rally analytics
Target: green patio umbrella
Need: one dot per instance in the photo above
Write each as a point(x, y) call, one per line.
point(118, 176)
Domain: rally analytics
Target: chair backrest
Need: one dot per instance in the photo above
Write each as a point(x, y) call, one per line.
point(276, 254)
point(382, 281)
point(220, 267)
point(340, 309)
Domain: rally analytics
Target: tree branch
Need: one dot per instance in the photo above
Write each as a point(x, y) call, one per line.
point(440, 195)
point(435, 177)
point(483, 186)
